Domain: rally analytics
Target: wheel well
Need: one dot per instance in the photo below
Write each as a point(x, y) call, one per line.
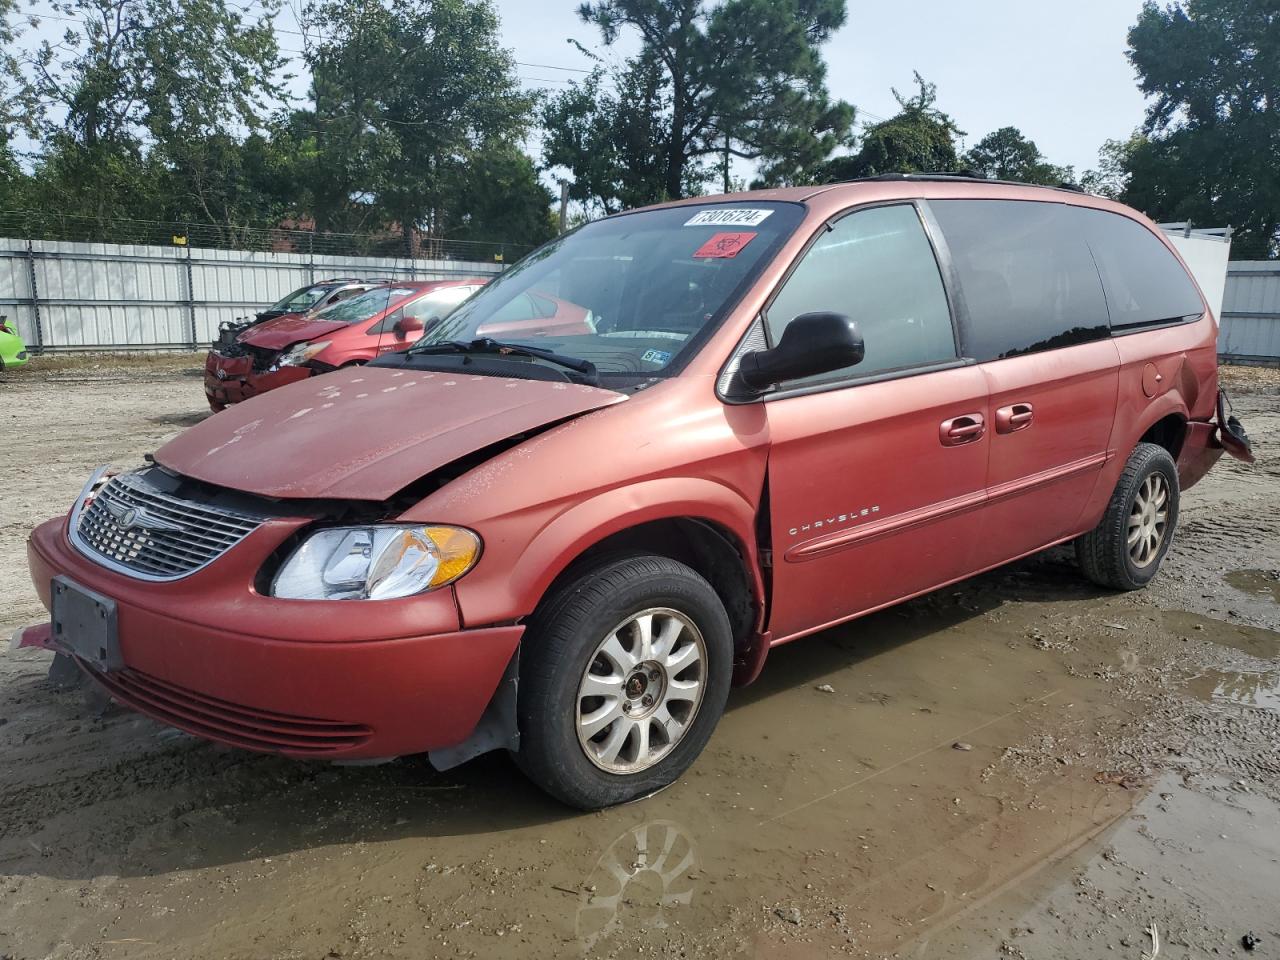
point(1168, 432)
point(715, 553)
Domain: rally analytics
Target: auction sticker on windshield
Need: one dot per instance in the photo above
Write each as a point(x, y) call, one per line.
point(728, 217)
point(723, 246)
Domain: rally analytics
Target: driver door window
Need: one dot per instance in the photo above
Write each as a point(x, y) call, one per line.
point(878, 267)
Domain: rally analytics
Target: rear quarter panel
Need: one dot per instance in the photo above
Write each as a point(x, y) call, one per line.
point(1185, 385)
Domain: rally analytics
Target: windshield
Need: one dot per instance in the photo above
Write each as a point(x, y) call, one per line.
point(631, 294)
point(301, 300)
point(438, 303)
point(366, 305)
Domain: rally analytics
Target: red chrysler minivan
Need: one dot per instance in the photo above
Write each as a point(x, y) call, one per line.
point(777, 411)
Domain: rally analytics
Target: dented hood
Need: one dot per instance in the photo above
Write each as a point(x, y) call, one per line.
point(367, 432)
point(287, 330)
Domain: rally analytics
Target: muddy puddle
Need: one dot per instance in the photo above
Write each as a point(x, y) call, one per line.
point(1248, 689)
point(954, 761)
point(1257, 583)
point(1021, 766)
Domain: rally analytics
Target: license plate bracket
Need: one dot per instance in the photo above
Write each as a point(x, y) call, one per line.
point(84, 623)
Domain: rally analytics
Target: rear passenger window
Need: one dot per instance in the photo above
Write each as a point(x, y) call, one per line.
point(1027, 275)
point(1145, 283)
point(877, 266)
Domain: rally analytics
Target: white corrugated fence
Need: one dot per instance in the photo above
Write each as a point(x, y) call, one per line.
point(79, 296)
point(109, 296)
point(1251, 312)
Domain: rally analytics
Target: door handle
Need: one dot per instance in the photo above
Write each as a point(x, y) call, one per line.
point(1015, 417)
point(962, 429)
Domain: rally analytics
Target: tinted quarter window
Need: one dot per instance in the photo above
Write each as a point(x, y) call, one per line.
point(1144, 282)
point(1027, 275)
point(877, 266)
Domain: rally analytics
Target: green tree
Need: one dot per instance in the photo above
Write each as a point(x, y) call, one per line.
point(742, 78)
point(1110, 177)
point(17, 112)
point(130, 74)
point(1211, 69)
point(499, 197)
point(608, 131)
point(405, 92)
point(234, 183)
point(1006, 154)
point(919, 138)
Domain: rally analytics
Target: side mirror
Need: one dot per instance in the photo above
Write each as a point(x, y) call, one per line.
point(406, 324)
point(812, 343)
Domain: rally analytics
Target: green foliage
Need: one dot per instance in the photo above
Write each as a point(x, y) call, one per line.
point(148, 109)
point(127, 69)
point(499, 196)
point(406, 91)
point(919, 138)
point(1008, 155)
point(742, 78)
point(609, 132)
point(1212, 148)
point(1111, 176)
point(143, 97)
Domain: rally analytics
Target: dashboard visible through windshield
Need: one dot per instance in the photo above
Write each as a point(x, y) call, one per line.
point(633, 295)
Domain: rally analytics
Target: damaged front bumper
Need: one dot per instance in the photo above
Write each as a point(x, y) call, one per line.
point(229, 380)
point(342, 680)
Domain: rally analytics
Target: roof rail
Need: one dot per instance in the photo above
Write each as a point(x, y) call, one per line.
point(963, 176)
point(340, 280)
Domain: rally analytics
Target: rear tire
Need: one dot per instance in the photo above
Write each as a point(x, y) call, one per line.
point(624, 673)
point(1125, 550)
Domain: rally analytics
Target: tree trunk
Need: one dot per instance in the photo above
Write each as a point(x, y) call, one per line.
point(675, 147)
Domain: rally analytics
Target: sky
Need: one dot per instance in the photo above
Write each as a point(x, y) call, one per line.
point(1056, 71)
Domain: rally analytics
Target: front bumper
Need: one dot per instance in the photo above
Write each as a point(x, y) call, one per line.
point(230, 380)
point(334, 679)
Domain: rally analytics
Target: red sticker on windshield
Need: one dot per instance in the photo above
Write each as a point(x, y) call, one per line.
point(723, 246)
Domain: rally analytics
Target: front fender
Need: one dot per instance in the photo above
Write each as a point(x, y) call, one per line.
point(513, 577)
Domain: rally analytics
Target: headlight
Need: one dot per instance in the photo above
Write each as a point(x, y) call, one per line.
point(376, 562)
point(300, 353)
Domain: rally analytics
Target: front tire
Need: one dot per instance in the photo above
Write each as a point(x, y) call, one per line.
point(624, 673)
point(1125, 550)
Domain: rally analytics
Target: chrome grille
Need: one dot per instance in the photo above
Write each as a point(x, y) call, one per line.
point(133, 527)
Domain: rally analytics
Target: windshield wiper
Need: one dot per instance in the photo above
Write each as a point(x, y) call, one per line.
point(489, 345)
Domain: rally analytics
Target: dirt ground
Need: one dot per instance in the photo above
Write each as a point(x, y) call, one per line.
point(1021, 767)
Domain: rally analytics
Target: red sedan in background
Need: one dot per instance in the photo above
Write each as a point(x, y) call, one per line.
point(296, 346)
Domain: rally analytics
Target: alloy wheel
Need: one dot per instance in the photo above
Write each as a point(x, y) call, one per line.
point(1149, 520)
point(641, 690)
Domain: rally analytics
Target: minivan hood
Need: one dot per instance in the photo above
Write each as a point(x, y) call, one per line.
point(367, 432)
point(287, 330)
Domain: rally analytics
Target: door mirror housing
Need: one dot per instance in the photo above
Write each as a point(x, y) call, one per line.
point(811, 344)
point(406, 324)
